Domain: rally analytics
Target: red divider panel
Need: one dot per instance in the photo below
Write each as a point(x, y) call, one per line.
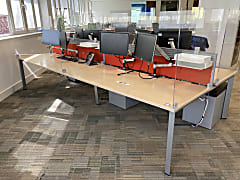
point(187, 74)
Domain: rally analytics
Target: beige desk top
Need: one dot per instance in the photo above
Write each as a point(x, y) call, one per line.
point(157, 92)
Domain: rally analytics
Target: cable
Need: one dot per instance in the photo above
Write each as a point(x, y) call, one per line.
point(139, 73)
point(204, 112)
point(119, 58)
point(119, 74)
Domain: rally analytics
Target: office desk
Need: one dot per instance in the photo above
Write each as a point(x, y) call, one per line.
point(157, 92)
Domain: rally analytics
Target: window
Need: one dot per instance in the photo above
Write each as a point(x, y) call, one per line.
point(58, 8)
point(29, 14)
point(17, 15)
point(54, 13)
point(4, 21)
point(45, 15)
point(76, 7)
point(65, 12)
point(22, 16)
point(37, 14)
point(169, 5)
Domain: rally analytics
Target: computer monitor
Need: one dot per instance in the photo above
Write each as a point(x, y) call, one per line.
point(144, 31)
point(155, 27)
point(185, 39)
point(94, 33)
point(51, 37)
point(114, 43)
point(121, 29)
point(145, 47)
point(63, 40)
point(86, 32)
point(79, 33)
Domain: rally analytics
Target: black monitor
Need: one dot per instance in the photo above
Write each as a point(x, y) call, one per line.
point(114, 43)
point(121, 29)
point(155, 27)
point(51, 37)
point(144, 31)
point(86, 32)
point(79, 33)
point(63, 40)
point(94, 33)
point(185, 39)
point(145, 46)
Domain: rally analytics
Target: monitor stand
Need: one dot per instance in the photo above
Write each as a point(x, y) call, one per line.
point(126, 61)
point(124, 69)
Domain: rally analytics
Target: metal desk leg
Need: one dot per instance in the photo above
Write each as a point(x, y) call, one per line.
point(171, 122)
point(227, 98)
point(96, 95)
point(22, 74)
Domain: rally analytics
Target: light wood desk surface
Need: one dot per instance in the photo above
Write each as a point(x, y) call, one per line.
point(158, 92)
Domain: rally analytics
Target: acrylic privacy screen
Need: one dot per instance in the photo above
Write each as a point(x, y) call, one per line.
point(51, 37)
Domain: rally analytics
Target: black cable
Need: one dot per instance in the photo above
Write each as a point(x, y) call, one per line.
point(119, 58)
point(139, 73)
point(119, 74)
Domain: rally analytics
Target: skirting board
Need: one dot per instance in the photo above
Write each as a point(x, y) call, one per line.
point(18, 85)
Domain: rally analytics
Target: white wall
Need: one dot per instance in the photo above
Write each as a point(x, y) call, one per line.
point(219, 4)
point(225, 52)
point(10, 80)
point(106, 7)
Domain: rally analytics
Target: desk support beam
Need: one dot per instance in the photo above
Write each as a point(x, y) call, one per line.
point(22, 74)
point(96, 95)
point(171, 122)
point(227, 98)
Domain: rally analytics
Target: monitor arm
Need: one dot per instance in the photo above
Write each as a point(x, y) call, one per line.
point(171, 42)
point(126, 61)
point(162, 52)
point(155, 66)
point(167, 58)
point(67, 49)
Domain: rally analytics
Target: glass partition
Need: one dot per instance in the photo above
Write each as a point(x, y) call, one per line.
point(207, 63)
point(196, 48)
point(199, 41)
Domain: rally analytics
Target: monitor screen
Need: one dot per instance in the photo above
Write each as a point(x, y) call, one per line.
point(51, 37)
point(155, 27)
point(79, 33)
point(86, 32)
point(94, 33)
point(185, 39)
point(121, 29)
point(114, 43)
point(145, 46)
point(63, 40)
